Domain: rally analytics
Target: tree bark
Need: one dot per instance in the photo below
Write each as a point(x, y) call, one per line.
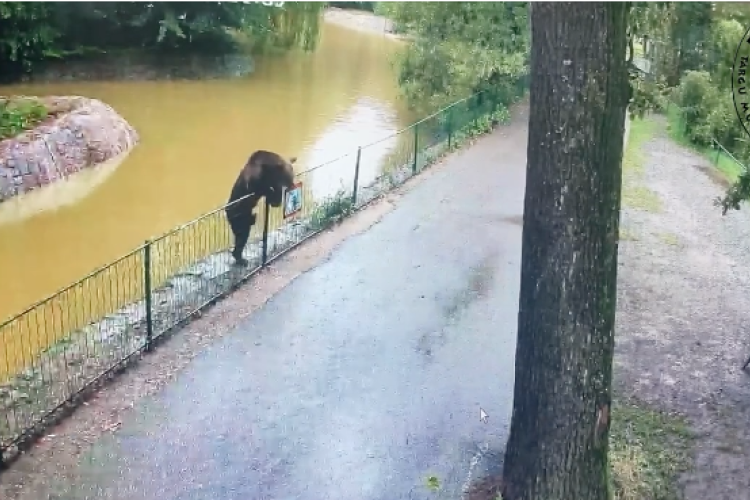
point(558, 444)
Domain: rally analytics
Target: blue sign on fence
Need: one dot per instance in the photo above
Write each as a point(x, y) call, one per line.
point(293, 200)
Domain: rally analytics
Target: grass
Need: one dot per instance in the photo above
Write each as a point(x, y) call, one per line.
point(638, 49)
point(668, 238)
point(332, 210)
point(627, 235)
point(18, 115)
point(729, 169)
point(634, 192)
point(648, 450)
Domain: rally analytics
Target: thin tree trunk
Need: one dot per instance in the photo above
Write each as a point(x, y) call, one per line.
point(558, 442)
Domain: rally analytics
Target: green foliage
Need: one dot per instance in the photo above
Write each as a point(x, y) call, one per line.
point(692, 49)
point(27, 33)
point(460, 48)
point(331, 210)
point(30, 32)
point(698, 97)
point(19, 115)
point(647, 452)
point(433, 483)
point(649, 94)
point(725, 35)
point(689, 32)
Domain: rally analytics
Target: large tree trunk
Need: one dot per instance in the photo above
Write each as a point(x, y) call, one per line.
point(558, 442)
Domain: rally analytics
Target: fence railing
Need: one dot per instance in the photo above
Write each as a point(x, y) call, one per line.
point(648, 59)
point(54, 351)
point(717, 153)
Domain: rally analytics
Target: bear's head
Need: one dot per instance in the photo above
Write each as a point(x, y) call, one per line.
point(268, 174)
point(277, 178)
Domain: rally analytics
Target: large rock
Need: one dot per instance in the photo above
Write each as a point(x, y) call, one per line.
point(81, 133)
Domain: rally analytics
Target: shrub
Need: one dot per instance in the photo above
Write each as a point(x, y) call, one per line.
point(19, 115)
point(698, 97)
point(331, 210)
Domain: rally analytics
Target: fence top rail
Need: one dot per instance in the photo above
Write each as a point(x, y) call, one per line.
point(196, 220)
point(423, 120)
point(726, 152)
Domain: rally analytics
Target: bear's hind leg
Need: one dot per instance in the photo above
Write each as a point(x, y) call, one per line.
point(241, 230)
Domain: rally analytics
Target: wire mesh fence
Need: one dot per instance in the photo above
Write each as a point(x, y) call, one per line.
point(55, 350)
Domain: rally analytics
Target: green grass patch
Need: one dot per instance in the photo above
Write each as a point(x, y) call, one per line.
point(627, 235)
point(648, 450)
point(641, 198)
point(638, 49)
point(729, 169)
point(18, 115)
point(331, 210)
point(668, 238)
point(634, 193)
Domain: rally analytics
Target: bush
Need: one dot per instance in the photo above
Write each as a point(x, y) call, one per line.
point(19, 115)
point(648, 94)
point(331, 210)
point(698, 98)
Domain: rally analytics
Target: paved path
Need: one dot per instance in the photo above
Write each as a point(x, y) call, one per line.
point(361, 378)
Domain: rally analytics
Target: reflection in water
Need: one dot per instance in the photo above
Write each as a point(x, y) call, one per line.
point(66, 191)
point(370, 124)
point(195, 136)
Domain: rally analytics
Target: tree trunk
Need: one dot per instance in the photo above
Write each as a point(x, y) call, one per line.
point(557, 449)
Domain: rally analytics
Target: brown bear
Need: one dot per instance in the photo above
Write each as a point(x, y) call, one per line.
point(266, 174)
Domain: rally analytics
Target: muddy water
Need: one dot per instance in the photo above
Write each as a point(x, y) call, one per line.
point(195, 135)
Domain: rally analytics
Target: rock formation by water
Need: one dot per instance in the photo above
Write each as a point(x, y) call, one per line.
point(80, 133)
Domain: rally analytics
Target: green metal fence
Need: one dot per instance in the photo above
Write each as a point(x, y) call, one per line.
point(59, 348)
point(718, 154)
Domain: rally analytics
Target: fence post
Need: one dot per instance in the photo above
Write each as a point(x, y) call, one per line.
point(475, 109)
point(266, 215)
point(718, 150)
point(416, 148)
point(149, 296)
point(356, 177)
point(449, 123)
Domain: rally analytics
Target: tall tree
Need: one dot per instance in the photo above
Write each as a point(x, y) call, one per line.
point(559, 437)
point(457, 48)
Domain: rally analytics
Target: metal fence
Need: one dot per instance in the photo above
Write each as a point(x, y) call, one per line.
point(651, 60)
point(56, 350)
point(717, 153)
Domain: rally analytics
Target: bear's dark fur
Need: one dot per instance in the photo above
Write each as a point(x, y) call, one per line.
point(266, 174)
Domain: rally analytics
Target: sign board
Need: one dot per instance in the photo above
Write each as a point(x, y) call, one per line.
point(293, 200)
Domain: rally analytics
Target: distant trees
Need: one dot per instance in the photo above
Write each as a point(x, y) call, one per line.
point(457, 48)
point(30, 32)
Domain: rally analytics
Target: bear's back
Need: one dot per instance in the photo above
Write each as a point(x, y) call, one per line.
point(262, 158)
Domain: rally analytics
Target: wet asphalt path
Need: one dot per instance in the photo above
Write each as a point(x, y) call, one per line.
point(361, 378)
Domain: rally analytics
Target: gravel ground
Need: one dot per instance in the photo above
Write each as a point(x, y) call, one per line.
point(683, 300)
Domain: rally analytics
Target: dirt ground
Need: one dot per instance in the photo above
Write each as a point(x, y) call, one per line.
point(683, 303)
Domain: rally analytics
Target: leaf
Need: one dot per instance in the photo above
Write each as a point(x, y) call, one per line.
point(433, 483)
